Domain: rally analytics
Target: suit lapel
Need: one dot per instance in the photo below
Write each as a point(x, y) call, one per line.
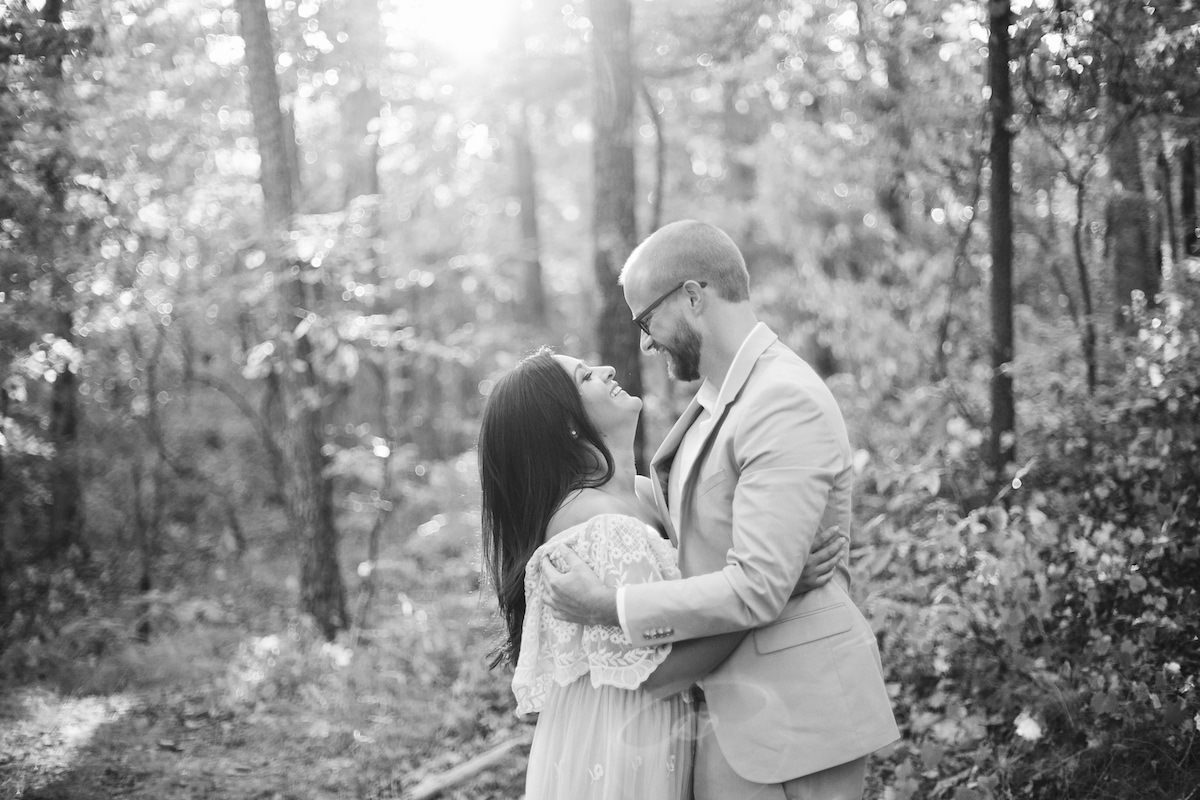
point(664, 457)
point(760, 338)
point(739, 371)
point(752, 349)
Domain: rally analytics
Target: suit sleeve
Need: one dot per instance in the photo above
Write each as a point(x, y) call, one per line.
point(788, 454)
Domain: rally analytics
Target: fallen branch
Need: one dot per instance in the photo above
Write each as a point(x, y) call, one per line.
point(434, 785)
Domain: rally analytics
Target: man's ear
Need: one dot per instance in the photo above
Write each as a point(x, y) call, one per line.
point(695, 296)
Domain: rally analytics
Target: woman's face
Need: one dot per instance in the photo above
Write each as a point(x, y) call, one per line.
point(608, 406)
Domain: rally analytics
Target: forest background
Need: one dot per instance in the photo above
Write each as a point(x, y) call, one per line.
point(262, 261)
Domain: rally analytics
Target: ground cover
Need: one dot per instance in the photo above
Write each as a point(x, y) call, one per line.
point(235, 696)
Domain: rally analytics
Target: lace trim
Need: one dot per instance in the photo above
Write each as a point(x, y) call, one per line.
point(622, 550)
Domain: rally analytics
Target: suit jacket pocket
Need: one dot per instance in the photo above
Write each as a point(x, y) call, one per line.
point(711, 482)
point(802, 628)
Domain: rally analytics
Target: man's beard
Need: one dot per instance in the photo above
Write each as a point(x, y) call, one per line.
point(683, 354)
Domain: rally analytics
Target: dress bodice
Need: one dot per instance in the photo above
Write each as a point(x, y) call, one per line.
point(621, 550)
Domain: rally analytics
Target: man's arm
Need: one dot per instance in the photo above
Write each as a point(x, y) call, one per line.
point(575, 594)
point(789, 452)
point(690, 661)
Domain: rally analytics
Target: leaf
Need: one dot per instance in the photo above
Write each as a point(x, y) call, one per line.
point(879, 560)
point(931, 754)
point(1174, 713)
point(303, 326)
point(257, 360)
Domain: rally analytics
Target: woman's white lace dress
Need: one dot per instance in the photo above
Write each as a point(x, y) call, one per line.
point(599, 736)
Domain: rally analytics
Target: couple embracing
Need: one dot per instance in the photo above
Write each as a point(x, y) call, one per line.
point(690, 633)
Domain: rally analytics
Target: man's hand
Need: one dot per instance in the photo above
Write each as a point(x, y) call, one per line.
point(829, 548)
point(573, 591)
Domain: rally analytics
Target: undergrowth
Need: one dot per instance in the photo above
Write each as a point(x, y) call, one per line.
point(406, 696)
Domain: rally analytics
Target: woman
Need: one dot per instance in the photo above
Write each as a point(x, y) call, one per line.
point(556, 463)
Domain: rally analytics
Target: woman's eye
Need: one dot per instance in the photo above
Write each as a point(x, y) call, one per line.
point(587, 375)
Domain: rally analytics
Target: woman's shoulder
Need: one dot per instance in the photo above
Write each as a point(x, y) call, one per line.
point(585, 506)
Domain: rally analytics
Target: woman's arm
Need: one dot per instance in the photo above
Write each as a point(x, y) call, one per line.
point(690, 661)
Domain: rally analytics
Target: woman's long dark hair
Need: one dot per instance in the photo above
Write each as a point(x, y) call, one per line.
point(536, 445)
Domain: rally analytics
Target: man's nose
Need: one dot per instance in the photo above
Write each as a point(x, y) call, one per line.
point(645, 342)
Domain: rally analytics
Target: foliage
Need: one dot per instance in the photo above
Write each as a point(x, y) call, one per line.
point(838, 142)
point(1045, 645)
point(234, 676)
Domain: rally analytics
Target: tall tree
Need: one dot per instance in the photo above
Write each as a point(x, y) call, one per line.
point(1187, 202)
point(738, 133)
point(1003, 439)
point(307, 488)
point(361, 54)
point(882, 30)
point(529, 249)
point(525, 167)
point(1129, 237)
point(614, 226)
point(66, 510)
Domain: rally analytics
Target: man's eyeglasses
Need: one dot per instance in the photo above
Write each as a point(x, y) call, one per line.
point(642, 320)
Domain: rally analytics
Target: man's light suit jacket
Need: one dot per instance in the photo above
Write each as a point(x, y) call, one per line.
point(804, 690)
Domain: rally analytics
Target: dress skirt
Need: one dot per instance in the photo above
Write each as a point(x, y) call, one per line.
point(607, 743)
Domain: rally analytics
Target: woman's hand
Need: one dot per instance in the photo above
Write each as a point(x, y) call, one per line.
point(829, 549)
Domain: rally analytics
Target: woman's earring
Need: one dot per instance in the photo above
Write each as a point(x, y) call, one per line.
point(574, 434)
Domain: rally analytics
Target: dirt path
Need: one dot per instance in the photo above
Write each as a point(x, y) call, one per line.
point(123, 746)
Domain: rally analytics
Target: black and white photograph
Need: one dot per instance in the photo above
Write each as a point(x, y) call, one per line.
point(599, 400)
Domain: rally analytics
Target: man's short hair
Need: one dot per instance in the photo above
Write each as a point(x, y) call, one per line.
point(690, 249)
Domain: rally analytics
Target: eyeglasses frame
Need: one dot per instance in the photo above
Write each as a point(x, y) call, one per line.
point(642, 321)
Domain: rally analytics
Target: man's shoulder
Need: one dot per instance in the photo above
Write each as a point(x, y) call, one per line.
point(783, 383)
point(781, 370)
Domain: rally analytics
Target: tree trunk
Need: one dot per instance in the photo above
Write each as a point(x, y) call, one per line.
point(360, 157)
point(142, 539)
point(530, 240)
point(66, 512)
point(1187, 201)
point(614, 226)
point(738, 134)
point(1085, 287)
point(944, 347)
point(660, 159)
point(1129, 238)
point(386, 501)
point(360, 26)
point(1003, 440)
point(529, 245)
point(1167, 234)
point(307, 491)
point(892, 196)
point(6, 561)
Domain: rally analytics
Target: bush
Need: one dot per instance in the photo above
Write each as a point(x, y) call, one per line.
point(1047, 646)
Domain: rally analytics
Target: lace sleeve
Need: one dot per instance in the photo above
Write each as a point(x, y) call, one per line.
point(622, 550)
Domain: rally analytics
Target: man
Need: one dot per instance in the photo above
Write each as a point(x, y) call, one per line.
point(759, 462)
